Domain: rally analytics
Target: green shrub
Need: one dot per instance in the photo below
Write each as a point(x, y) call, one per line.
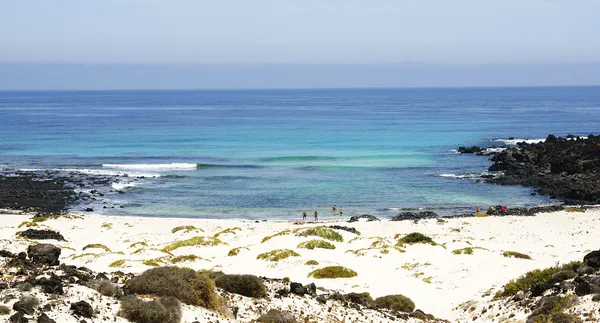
point(333, 272)
point(515, 255)
point(276, 316)
point(277, 254)
point(235, 251)
point(105, 287)
point(563, 318)
point(184, 258)
point(246, 285)
point(282, 233)
point(97, 246)
point(182, 283)
point(395, 303)
point(416, 237)
point(312, 263)
point(4, 310)
point(463, 251)
point(574, 209)
point(316, 243)
point(162, 310)
point(195, 241)
point(187, 228)
point(141, 243)
point(320, 231)
point(532, 278)
point(117, 263)
point(228, 230)
point(153, 262)
point(211, 273)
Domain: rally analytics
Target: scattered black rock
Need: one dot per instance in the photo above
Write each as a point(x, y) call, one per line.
point(44, 254)
point(567, 169)
point(297, 288)
point(18, 317)
point(364, 216)
point(421, 315)
point(349, 229)
point(592, 259)
point(7, 254)
point(42, 235)
point(82, 308)
point(500, 210)
point(26, 305)
point(52, 285)
point(470, 150)
point(414, 216)
point(43, 318)
point(82, 274)
point(276, 316)
point(33, 192)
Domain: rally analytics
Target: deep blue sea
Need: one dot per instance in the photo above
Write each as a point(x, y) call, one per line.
point(274, 153)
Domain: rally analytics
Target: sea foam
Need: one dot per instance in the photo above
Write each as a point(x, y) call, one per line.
point(153, 167)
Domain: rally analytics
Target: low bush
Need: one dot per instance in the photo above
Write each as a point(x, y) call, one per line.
point(141, 243)
point(246, 285)
point(277, 254)
point(282, 233)
point(162, 310)
point(515, 254)
point(97, 246)
point(532, 278)
point(182, 283)
point(184, 258)
point(117, 263)
point(211, 273)
point(228, 230)
point(153, 262)
point(186, 228)
point(574, 209)
point(4, 310)
point(105, 287)
point(550, 310)
point(415, 237)
point(311, 263)
point(395, 303)
point(195, 241)
point(276, 316)
point(463, 251)
point(320, 231)
point(235, 251)
point(316, 243)
point(333, 272)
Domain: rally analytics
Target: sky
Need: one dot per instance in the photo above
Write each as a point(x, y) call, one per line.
point(96, 44)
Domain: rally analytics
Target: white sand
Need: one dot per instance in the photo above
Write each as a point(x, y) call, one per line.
point(451, 279)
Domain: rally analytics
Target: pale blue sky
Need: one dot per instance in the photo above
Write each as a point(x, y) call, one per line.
point(250, 35)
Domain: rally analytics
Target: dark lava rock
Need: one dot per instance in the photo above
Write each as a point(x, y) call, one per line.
point(414, 216)
point(586, 270)
point(40, 193)
point(7, 254)
point(349, 229)
point(42, 235)
point(89, 209)
point(596, 298)
point(43, 318)
point(321, 299)
point(363, 299)
point(82, 308)
point(585, 288)
point(83, 274)
point(25, 306)
point(562, 275)
point(18, 318)
point(566, 286)
point(3, 286)
point(44, 254)
point(539, 289)
point(52, 285)
point(364, 216)
point(592, 259)
point(297, 288)
point(311, 289)
point(470, 150)
point(276, 316)
point(561, 168)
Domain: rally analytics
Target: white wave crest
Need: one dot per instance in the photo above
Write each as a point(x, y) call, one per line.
point(481, 175)
point(514, 141)
point(152, 167)
point(122, 186)
point(106, 172)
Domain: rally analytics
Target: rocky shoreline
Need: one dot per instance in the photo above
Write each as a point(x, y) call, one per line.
point(565, 168)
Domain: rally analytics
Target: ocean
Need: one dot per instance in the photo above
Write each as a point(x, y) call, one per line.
point(273, 154)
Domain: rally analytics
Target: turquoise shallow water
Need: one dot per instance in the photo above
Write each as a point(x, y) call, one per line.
point(276, 153)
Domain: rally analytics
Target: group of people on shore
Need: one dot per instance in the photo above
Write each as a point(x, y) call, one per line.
point(334, 209)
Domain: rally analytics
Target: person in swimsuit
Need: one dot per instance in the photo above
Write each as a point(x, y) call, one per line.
point(316, 216)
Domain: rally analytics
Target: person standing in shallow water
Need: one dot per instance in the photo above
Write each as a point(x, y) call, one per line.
point(477, 209)
point(316, 216)
point(333, 209)
point(340, 211)
point(303, 216)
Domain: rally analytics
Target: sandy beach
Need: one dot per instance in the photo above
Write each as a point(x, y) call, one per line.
point(436, 277)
